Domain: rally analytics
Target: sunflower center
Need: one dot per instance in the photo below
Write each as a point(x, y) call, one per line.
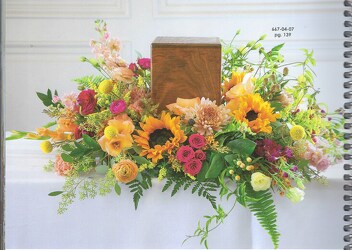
point(159, 137)
point(251, 115)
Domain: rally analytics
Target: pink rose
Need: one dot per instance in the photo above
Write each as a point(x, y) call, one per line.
point(185, 154)
point(118, 106)
point(323, 164)
point(196, 141)
point(144, 63)
point(200, 155)
point(193, 167)
point(86, 100)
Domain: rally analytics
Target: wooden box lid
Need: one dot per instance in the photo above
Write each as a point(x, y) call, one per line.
point(169, 41)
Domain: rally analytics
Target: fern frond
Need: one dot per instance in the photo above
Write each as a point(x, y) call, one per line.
point(261, 204)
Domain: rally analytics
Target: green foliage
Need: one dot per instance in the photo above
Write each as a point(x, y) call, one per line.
point(242, 146)
point(47, 98)
point(217, 164)
point(262, 206)
point(86, 187)
point(16, 135)
point(137, 187)
point(96, 122)
point(203, 189)
point(89, 82)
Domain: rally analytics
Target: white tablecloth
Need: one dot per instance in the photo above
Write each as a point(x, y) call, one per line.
point(160, 221)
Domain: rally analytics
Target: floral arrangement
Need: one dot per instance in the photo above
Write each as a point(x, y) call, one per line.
point(269, 135)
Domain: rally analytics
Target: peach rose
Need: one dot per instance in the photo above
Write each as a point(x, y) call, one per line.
point(125, 171)
point(181, 104)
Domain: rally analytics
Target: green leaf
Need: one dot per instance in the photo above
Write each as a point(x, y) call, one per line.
point(230, 159)
point(278, 47)
point(55, 193)
point(102, 169)
point(90, 141)
point(16, 135)
point(203, 171)
point(242, 146)
point(140, 160)
point(67, 158)
point(216, 166)
point(49, 124)
point(67, 147)
point(117, 189)
point(47, 101)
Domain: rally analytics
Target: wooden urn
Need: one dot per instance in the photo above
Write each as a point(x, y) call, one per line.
point(185, 67)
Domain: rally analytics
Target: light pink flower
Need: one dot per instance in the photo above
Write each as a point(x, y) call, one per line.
point(323, 164)
point(70, 100)
point(56, 99)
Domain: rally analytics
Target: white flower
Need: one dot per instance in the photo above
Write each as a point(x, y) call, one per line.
point(295, 195)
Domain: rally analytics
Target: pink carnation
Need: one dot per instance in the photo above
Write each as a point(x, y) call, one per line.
point(185, 154)
point(200, 155)
point(118, 106)
point(197, 141)
point(61, 167)
point(193, 167)
point(144, 63)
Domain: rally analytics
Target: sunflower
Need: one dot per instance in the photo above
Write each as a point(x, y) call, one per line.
point(159, 136)
point(254, 111)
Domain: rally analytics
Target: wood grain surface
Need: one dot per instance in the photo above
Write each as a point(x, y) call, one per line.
point(185, 68)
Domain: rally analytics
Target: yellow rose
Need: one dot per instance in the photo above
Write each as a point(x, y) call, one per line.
point(260, 181)
point(125, 171)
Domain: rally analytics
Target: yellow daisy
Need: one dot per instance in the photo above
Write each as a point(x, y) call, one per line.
point(159, 136)
point(254, 111)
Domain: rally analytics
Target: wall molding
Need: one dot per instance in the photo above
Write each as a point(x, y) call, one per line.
point(325, 49)
point(36, 50)
point(181, 8)
point(67, 8)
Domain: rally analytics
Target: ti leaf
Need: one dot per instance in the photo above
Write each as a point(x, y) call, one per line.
point(217, 164)
point(242, 146)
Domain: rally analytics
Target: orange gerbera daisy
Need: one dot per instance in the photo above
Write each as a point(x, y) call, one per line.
point(254, 111)
point(159, 136)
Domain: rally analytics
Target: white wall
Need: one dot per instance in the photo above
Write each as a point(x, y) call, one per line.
point(45, 38)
